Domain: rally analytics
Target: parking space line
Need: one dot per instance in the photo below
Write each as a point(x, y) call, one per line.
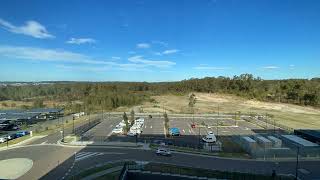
point(150, 127)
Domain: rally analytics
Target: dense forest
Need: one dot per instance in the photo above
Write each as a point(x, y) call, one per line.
point(109, 95)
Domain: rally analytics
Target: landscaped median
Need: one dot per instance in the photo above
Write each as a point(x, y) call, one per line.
point(108, 170)
point(20, 141)
point(75, 141)
point(148, 170)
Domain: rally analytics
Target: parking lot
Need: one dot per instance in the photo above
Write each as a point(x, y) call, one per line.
point(153, 129)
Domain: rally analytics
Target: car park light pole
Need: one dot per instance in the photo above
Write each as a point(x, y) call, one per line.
point(63, 132)
point(72, 124)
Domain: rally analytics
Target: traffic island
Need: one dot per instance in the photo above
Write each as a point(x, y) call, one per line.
point(14, 168)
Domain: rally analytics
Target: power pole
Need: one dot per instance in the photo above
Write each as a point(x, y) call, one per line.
point(63, 132)
point(73, 124)
point(199, 138)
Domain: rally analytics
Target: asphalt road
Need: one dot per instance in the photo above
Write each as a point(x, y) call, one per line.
point(46, 157)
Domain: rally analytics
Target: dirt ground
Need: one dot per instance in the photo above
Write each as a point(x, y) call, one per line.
point(287, 114)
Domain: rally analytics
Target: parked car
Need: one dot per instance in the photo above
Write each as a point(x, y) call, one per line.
point(174, 131)
point(163, 151)
point(11, 136)
point(22, 133)
point(3, 139)
point(132, 133)
point(210, 138)
point(117, 130)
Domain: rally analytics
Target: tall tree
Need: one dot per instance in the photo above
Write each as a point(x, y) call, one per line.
point(132, 116)
point(125, 118)
point(166, 123)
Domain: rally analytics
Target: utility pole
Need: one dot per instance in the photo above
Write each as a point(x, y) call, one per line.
point(63, 132)
point(199, 138)
point(274, 126)
point(297, 162)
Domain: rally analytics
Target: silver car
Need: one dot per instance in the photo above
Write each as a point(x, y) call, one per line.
point(163, 152)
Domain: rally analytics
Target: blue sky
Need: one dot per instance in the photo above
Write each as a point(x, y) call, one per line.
point(158, 40)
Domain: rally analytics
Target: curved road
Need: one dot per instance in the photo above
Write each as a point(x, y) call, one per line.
point(54, 161)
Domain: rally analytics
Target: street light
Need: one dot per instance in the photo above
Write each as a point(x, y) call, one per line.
point(73, 124)
point(63, 132)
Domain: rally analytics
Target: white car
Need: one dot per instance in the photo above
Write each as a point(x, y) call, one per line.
point(3, 139)
point(209, 138)
point(163, 151)
point(132, 133)
point(117, 131)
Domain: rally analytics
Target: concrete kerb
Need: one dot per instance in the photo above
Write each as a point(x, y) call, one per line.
point(21, 143)
point(105, 144)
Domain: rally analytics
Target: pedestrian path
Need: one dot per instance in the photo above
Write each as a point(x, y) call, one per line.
point(84, 155)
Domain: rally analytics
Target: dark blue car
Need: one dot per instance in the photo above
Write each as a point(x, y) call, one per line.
point(22, 133)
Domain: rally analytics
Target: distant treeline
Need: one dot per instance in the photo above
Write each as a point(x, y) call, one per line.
point(110, 95)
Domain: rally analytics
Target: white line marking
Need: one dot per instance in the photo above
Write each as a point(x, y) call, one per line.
point(145, 126)
point(150, 127)
point(183, 130)
point(189, 131)
point(44, 142)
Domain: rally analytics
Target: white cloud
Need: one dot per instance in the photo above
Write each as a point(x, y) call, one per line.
point(30, 28)
point(115, 58)
point(204, 67)
point(291, 66)
point(131, 52)
point(41, 54)
point(136, 63)
point(159, 64)
point(143, 45)
point(170, 51)
point(160, 43)
point(81, 68)
point(81, 41)
point(271, 67)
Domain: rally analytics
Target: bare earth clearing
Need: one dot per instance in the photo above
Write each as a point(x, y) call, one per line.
point(287, 114)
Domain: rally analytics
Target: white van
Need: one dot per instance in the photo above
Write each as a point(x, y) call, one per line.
point(210, 138)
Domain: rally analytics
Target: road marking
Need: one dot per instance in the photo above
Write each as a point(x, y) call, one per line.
point(145, 126)
point(189, 131)
point(183, 130)
point(84, 155)
point(44, 142)
point(150, 127)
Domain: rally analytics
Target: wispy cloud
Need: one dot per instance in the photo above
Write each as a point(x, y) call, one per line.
point(30, 28)
point(170, 51)
point(81, 41)
point(159, 64)
point(76, 61)
point(202, 67)
point(164, 44)
point(115, 58)
point(41, 54)
point(143, 45)
point(131, 52)
point(291, 66)
point(166, 52)
point(82, 68)
point(271, 67)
